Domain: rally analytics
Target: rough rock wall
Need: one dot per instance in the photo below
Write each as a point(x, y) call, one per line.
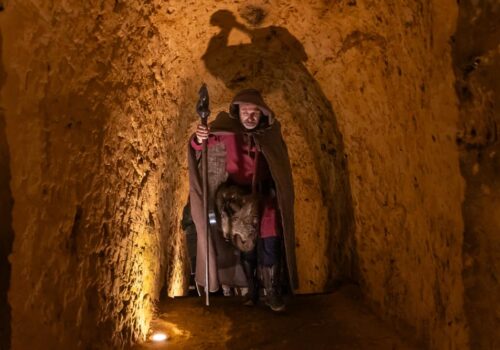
point(400, 148)
point(87, 134)
point(477, 68)
point(386, 68)
point(364, 90)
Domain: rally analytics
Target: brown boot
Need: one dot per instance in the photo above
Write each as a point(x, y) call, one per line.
point(271, 279)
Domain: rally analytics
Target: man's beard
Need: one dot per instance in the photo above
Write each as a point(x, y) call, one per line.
point(250, 126)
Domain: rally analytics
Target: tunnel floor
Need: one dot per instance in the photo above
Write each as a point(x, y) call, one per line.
point(328, 321)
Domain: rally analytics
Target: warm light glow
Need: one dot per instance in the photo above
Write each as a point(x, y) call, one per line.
point(159, 336)
point(177, 280)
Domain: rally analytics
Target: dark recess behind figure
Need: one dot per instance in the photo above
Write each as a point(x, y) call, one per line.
point(6, 233)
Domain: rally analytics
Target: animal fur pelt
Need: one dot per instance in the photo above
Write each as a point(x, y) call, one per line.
point(239, 216)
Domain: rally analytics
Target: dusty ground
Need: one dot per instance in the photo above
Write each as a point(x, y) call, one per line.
point(328, 321)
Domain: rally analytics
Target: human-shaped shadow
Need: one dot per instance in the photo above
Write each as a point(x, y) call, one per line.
point(244, 64)
point(274, 60)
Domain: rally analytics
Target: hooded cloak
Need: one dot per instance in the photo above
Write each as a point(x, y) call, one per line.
point(224, 259)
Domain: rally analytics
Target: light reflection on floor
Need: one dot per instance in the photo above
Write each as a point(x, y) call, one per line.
point(332, 321)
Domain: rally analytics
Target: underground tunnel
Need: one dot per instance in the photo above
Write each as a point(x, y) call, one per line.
point(389, 112)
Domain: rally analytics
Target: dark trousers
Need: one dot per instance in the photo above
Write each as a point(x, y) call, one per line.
point(266, 253)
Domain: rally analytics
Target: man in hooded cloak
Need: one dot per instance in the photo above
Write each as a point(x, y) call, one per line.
point(245, 148)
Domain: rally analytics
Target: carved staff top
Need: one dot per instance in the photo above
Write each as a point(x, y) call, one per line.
point(202, 107)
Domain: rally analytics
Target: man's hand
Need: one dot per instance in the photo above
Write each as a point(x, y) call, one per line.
point(202, 133)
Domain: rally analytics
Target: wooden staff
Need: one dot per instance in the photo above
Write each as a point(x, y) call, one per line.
point(202, 107)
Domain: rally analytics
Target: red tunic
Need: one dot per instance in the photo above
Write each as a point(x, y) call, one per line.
point(240, 166)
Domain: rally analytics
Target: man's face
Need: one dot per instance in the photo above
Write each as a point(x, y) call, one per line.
point(249, 115)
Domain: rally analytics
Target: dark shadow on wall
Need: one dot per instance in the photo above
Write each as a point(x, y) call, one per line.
point(477, 68)
point(6, 232)
point(274, 61)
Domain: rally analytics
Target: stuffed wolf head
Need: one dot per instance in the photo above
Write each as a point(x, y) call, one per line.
point(239, 216)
